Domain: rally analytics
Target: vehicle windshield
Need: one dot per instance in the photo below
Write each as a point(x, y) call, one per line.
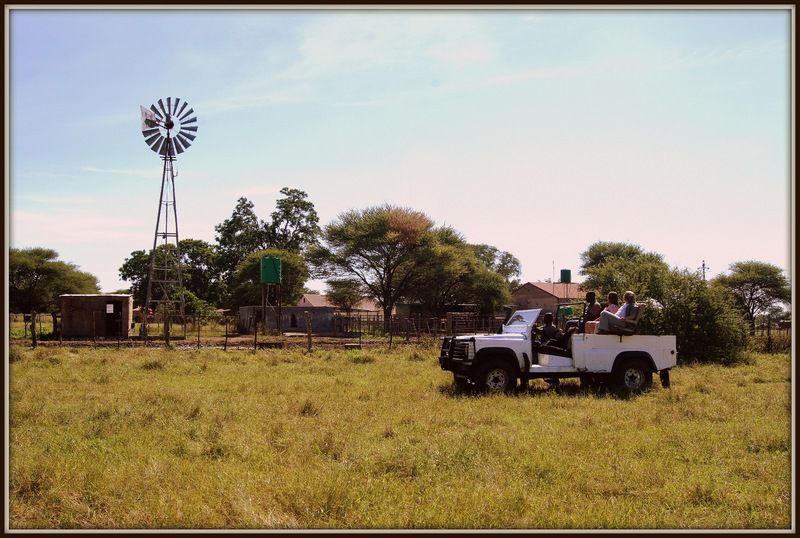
point(521, 320)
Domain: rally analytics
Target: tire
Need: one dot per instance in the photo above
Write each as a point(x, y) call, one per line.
point(634, 376)
point(495, 377)
point(664, 374)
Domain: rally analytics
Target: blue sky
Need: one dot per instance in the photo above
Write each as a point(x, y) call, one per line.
point(537, 131)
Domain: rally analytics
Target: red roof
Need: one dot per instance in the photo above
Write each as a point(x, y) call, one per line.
point(573, 290)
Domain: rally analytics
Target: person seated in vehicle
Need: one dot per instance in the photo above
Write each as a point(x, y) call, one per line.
point(551, 335)
point(591, 311)
point(612, 304)
point(624, 320)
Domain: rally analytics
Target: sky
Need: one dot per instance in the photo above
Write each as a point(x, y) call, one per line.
point(537, 131)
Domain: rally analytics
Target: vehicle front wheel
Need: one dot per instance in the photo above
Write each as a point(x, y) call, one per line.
point(634, 376)
point(496, 377)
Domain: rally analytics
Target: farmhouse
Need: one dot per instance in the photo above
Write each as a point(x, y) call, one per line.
point(96, 315)
point(546, 295)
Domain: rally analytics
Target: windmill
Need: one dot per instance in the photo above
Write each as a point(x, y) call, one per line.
point(167, 130)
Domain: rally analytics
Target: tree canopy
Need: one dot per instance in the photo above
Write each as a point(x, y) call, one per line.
point(601, 251)
point(36, 279)
point(757, 287)
point(246, 281)
point(383, 247)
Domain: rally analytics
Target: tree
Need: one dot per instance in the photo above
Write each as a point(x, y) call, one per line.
point(501, 262)
point(36, 278)
point(295, 224)
point(134, 270)
point(246, 280)
point(345, 293)
point(599, 252)
point(383, 247)
point(757, 287)
point(200, 270)
point(239, 236)
point(456, 274)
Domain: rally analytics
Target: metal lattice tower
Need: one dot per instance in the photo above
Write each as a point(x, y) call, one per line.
point(167, 129)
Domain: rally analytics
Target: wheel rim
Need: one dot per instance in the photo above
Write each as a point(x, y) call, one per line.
point(496, 380)
point(634, 378)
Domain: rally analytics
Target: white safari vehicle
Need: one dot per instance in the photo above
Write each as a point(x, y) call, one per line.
point(494, 362)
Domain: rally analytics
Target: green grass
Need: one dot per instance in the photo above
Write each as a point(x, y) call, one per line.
point(107, 438)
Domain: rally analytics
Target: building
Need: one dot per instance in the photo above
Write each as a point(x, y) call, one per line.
point(96, 315)
point(323, 314)
point(547, 295)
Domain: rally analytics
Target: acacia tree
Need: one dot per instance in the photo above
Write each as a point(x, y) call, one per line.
point(757, 287)
point(383, 247)
point(345, 293)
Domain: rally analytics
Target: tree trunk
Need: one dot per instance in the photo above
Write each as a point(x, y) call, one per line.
point(56, 328)
point(387, 317)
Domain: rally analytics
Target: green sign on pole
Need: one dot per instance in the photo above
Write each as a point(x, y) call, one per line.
point(270, 270)
point(566, 276)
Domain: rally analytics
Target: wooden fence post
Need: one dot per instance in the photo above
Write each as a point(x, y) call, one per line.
point(225, 346)
point(198, 332)
point(33, 327)
point(308, 327)
point(94, 328)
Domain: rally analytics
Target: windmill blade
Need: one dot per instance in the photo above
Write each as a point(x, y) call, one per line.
point(186, 143)
point(158, 145)
point(181, 110)
point(191, 120)
point(177, 145)
point(161, 106)
point(169, 105)
point(190, 128)
point(187, 114)
point(152, 139)
point(149, 132)
point(188, 135)
point(175, 110)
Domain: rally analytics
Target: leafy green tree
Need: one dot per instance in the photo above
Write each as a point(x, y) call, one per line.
point(601, 251)
point(36, 278)
point(246, 281)
point(501, 262)
point(238, 236)
point(345, 293)
point(455, 274)
point(757, 287)
point(383, 247)
point(199, 271)
point(295, 224)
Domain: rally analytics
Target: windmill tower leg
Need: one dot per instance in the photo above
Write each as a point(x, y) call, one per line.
point(165, 279)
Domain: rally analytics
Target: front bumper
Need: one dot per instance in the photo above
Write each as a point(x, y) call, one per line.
point(447, 360)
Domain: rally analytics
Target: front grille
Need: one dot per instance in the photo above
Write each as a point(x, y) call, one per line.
point(461, 351)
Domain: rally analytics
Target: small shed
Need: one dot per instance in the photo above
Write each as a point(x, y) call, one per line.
point(87, 315)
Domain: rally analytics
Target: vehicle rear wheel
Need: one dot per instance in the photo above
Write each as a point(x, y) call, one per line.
point(496, 377)
point(634, 376)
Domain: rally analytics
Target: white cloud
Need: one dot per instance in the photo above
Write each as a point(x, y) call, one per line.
point(348, 42)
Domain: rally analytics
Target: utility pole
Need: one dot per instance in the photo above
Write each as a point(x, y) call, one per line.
point(703, 269)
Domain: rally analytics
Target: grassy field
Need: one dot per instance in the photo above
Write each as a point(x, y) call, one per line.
point(155, 438)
